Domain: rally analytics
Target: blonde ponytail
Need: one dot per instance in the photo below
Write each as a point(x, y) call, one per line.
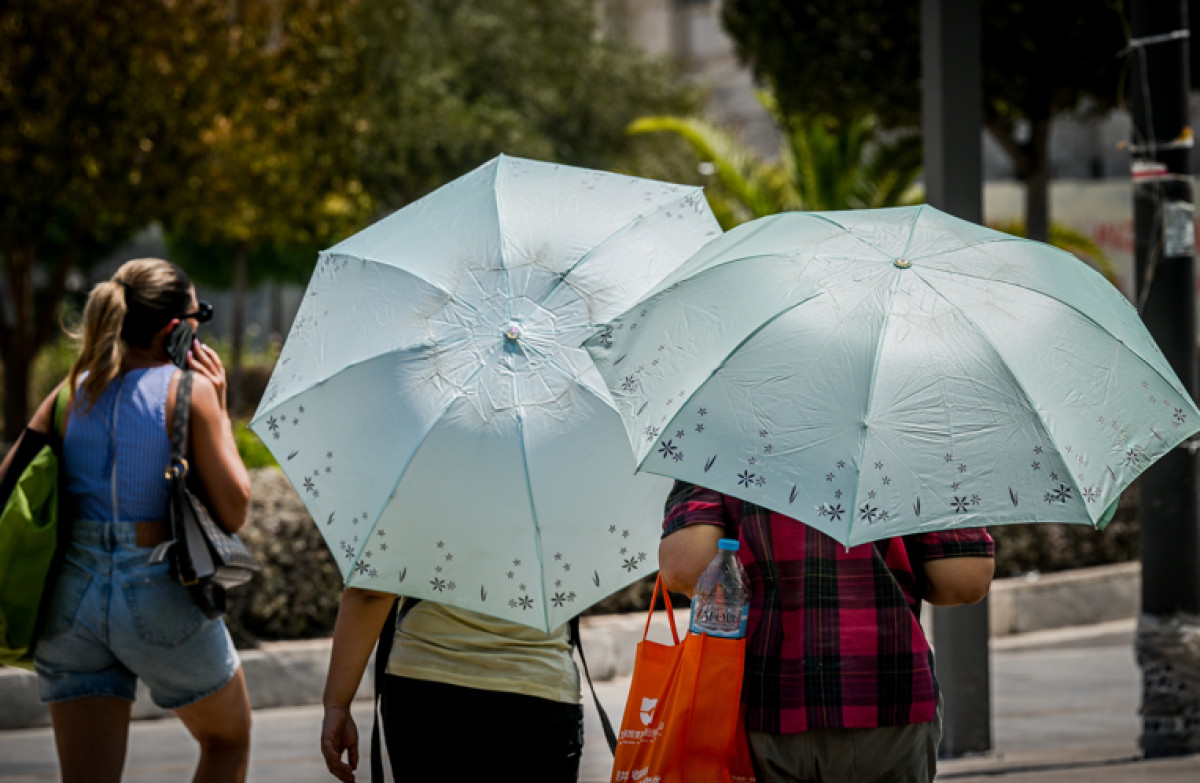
point(158, 289)
point(102, 350)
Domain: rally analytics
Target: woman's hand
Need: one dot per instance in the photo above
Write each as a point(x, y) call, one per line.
point(205, 361)
point(339, 733)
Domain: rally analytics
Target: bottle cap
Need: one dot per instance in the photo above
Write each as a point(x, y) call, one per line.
point(729, 544)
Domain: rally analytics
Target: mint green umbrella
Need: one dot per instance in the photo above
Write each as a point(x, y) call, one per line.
point(876, 373)
point(434, 409)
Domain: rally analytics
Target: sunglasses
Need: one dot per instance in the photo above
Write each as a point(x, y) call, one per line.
point(203, 314)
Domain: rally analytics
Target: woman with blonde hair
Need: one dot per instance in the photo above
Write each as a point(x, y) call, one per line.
point(114, 617)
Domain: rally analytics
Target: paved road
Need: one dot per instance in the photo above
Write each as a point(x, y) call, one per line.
point(1064, 709)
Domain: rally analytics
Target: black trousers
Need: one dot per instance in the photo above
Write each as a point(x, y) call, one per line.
point(435, 732)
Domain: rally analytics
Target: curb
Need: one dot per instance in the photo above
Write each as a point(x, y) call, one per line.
point(290, 674)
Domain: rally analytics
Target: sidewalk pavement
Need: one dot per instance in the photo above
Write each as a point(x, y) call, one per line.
point(1064, 701)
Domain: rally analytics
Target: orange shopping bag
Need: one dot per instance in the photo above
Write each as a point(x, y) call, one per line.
point(683, 717)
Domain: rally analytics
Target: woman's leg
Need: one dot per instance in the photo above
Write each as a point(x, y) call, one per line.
point(221, 724)
point(91, 734)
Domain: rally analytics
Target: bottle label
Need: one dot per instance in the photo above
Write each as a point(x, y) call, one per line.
point(725, 624)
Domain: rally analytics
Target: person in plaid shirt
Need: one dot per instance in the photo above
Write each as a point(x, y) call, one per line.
point(839, 682)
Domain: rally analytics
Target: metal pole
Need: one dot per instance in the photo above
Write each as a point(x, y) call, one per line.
point(1164, 242)
point(952, 120)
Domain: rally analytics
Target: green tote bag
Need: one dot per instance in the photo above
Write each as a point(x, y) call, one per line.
point(33, 538)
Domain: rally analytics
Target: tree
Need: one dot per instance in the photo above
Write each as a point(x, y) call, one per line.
point(276, 176)
point(455, 84)
point(96, 97)
point(262, 130)
point(822, 165)
point(845, 58)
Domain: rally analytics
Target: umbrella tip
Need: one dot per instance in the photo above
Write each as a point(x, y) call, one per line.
point(902, 263)
point(513, 331)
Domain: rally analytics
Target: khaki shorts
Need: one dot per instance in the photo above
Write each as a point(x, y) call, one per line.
point(891, 754)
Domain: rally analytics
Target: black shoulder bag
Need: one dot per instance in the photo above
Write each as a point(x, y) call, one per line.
point(204, 558)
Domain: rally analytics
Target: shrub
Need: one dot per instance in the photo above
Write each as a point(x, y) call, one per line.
point(296, 594)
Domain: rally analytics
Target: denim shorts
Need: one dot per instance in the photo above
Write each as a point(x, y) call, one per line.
point(114, 618)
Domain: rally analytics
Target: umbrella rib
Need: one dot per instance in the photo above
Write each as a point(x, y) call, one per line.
point(533, 513)
point(862, 446)
point(565, 372)
point(562, 280)
point(275, 405)
point(847, 232)
point(1060, 302)
point(440, 289)
point(731, 352)
point(912, 229)
point(1000, 240)
point(433, 420)
point(1020, 385)
point(733, 258)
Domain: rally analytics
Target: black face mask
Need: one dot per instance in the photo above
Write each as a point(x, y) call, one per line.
point(179, 342)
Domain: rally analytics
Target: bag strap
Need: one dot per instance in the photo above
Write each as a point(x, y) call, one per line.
point(383, 651)
point(180, 417)
point(176, 472)
point(210, 598)
point(609, 734)
point(60, 411)
point(660, 588)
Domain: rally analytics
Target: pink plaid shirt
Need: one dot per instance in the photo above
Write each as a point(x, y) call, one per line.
point(834, 638)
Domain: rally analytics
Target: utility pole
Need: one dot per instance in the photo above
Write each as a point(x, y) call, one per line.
point(1164, 249)
point(952, 122)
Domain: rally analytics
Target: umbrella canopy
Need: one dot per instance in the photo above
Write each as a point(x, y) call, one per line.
point(876, 373)
point(434, 409)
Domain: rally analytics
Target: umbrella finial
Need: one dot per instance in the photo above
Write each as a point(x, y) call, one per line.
point(902, 263)
point(513, 331)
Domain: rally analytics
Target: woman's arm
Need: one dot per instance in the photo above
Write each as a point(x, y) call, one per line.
point(684, 554)
point(953, 581)
point(226, 482)
point(360, 619)
point(42, 421)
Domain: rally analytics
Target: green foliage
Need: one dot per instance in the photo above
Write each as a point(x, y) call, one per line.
point(275, 170)
point(258, 131)
point(823, 165)
point(454, 84)
point(51, 366)
point(254, 452)
point(1072, 241)
point(97, 100)
point(845, 58)
point(852, 57)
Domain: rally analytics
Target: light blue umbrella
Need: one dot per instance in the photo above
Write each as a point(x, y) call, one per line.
point(434, 409)
point(876, 373)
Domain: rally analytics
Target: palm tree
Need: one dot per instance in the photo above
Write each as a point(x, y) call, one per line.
point(822, 165)
point(825, 166)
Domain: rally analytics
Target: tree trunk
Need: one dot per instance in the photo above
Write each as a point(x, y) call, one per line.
point(276, 327)
point(18, 361)
point(17, 338)
point(239, 329)
point(1037, 182)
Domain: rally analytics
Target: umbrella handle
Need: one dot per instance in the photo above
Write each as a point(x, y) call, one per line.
point(659, 588)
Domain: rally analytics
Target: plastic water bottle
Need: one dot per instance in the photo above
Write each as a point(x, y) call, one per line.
point(721, 600)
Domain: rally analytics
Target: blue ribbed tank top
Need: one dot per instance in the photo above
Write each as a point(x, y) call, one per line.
point(121, 442)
